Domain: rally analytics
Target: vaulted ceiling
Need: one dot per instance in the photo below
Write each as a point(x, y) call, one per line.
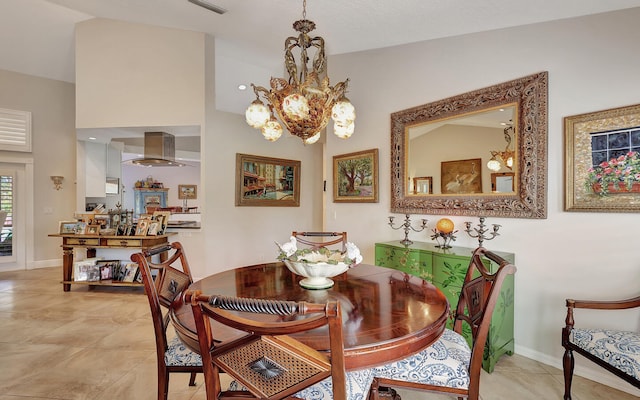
point(37, 36)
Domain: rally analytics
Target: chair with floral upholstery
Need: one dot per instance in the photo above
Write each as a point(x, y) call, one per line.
point(450, 366)
point(266, 362)
point(169, 282)
point(616, 351)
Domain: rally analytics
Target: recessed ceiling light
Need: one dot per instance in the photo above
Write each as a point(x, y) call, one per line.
point(242, 86)
point(92, 138)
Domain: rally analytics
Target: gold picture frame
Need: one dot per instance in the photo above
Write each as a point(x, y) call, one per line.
point(423, 185)
point(267, 182)
point(585, 135)
point(67, 227)
point(187, 192)
point(92, 230)
point(461, 176)
point(355, 177)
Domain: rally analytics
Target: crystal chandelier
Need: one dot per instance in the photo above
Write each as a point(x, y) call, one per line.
point(507, 156)
point(305, 102)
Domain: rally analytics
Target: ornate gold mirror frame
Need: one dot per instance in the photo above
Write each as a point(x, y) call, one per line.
point(530, 197)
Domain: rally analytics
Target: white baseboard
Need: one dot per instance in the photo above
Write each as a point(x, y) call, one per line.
point(583, 368)
point(45, 264)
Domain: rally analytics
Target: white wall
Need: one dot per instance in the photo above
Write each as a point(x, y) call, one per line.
point(136, 75)
point(52, 104)
point(592, 63)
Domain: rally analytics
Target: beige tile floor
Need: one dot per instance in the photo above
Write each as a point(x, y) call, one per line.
point(98, 344)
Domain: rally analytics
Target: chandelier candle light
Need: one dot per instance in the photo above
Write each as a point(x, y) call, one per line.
point(407, 228)
point(481, 230)
point(305, 102)
point(507, 156)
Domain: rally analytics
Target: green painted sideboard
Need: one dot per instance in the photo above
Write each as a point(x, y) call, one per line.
point(446, 268)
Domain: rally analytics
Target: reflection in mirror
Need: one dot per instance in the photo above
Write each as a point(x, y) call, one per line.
point(424, 139)
point(442, 148)
point(502, 182)
point(423, 185)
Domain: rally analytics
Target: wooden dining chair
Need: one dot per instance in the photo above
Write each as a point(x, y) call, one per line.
point(615, 350)
point(321, 239)
point(172, 277)
point(266, 362)
point(450, 366)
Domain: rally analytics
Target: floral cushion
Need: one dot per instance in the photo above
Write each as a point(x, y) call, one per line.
point(444, 363)
point(621, 349)
point(358, 384)
point(179, 355)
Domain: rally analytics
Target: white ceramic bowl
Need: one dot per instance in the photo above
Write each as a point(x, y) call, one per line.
point(316, 274)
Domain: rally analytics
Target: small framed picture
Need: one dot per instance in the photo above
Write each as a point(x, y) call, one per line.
point(105, 272)
point(130, 272)
point(163, 219)
point(153, 228)
point(80, 271)
point(187, 192)
point(93, 230)
point(108, 267)
point(93, 273)
point(67, 227)
point(142, 227)
point(81, 228)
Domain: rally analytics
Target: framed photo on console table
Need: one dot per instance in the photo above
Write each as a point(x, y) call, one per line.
point(602, 161)
point(355, 177)
point(267, 182)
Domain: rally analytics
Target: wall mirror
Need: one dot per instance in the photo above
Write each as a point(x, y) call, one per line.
point(497, 123)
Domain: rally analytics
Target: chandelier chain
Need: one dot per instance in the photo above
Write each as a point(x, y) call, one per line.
point(304, 9)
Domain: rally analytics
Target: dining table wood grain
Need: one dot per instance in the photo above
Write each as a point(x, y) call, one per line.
point(387, 314)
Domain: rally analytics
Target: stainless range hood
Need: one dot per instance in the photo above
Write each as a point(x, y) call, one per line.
point(159, 151)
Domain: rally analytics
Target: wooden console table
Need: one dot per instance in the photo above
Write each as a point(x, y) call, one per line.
point(93, 242)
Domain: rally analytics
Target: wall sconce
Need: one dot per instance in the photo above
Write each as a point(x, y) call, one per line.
point(57, 182)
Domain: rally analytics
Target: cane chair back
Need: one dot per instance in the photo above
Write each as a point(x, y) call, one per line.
point(172, 277)
point(268, 363)
point(321, 239)
point(449, 365)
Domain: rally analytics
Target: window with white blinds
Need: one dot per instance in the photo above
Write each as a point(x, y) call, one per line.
point(15, 130)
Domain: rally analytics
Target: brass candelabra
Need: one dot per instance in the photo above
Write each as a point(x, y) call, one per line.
point(481, 230)
point(407, 228)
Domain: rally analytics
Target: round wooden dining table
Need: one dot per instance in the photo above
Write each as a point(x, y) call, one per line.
point(387, 314)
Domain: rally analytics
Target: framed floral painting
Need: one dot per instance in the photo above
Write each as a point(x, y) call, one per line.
point(602, 161)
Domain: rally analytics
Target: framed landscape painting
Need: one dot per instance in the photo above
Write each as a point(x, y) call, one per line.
point(355, 177)
point(267, 182)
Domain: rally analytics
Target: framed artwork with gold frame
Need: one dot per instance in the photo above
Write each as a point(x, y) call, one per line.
point(267, 182)
point(187, 192)
point(602, 167)
point(355, 177)
point(461, 176)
